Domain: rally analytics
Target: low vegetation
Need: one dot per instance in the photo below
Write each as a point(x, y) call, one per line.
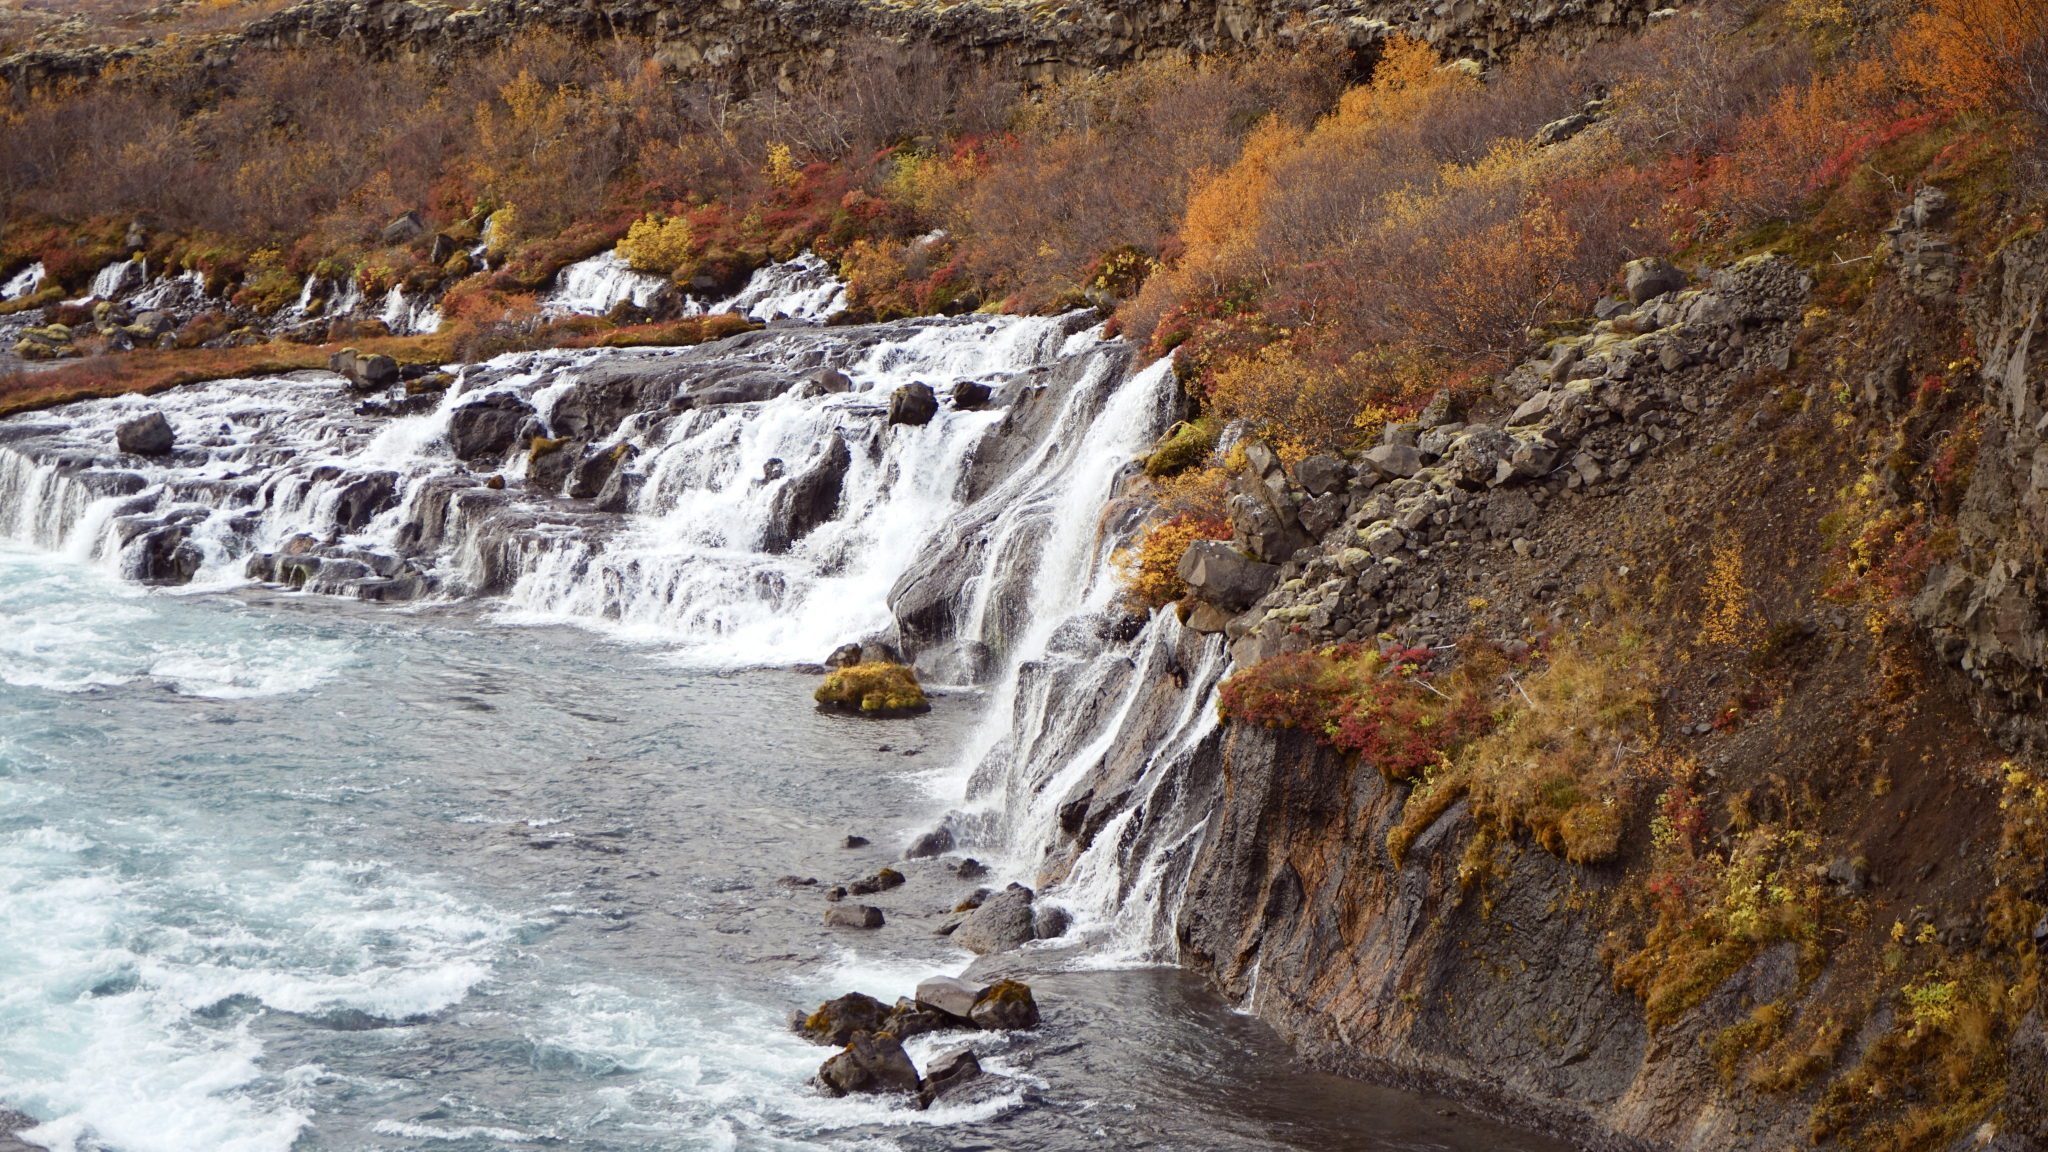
point(873, 689)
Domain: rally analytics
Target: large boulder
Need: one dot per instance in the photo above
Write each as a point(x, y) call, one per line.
point(969, 394)
point(364, 373)
point(403, 230)
point(914, 1019)
point(1321, 474)
point(1001, 923)
point(950, 994)
point(149, 435)
point(823, 382)
point(913, 404)
point(1221, 575)
point(359, 501)
point(1393, 461)
point(487, 427)
point(835, 1021)
point(549, 463)
point(1006, 1004)
point(873, 1062)
point(808, 499)
point(1651, 276)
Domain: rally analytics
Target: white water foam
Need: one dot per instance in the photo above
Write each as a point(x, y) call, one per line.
point(595, 286)
point(23, 283)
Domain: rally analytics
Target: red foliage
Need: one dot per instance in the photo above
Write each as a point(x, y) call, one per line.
point(1354, 702)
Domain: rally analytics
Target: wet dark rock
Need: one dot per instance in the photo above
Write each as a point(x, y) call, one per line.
point(854, 842)
point(836, 893)
point(881, 881)
point(809, 499)
point(968, 394)
point(1001, 923)
point(797, 881)
point(591, 474)
point(913, 1019)
point(853, 916)
point(879, 652)
point(913, 404)
point(937, 842)
point(149, 435)
point(950, 994)
point(356, 504)
point(873, 1062)
point(486, 427)
point(972, 869)
point(550, 462)
point(1049, 922)
point(844, 656)
point(824, 382)
point(620, 489)
point(948, 1072)
point(1007, 1004)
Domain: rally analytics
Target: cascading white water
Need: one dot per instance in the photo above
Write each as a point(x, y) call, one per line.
point(408, 317)
point(23, 282)
point(801, 289)
point(261, 462)
point(597, 285)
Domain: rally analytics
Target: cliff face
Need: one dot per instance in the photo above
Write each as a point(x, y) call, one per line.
point(770, 41)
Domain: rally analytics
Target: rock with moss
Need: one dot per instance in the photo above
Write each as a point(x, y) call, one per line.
point(873, 690)
point(835, 1021)
point(1006, 1004)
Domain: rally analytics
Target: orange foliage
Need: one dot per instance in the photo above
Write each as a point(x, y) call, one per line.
point(1979, 55)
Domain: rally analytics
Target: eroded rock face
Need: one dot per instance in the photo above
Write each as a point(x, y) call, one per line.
point(809, 499)
point(1980, 609)
point(700, 39)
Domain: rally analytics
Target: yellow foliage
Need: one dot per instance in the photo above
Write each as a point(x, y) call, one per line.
point(1731, 618)
point(782, 170)
point(1148, 572)
point(1301, 406)
point(657, 245)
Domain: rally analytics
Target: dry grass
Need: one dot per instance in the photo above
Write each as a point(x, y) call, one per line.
point(1561, 761)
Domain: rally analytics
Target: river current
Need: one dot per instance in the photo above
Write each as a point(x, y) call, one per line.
point(510, 867)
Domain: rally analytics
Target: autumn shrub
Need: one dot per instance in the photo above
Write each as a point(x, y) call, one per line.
point(1556, 762)
point(1386, 708)
point(1147, 572)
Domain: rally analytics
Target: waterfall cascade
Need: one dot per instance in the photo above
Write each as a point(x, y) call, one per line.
point(776, 513)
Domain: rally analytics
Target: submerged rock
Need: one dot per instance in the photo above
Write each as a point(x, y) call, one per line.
point(853, 916)
point(873, 1062)
point(873, 690)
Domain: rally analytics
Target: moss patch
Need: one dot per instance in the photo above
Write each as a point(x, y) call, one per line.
point(873, 690)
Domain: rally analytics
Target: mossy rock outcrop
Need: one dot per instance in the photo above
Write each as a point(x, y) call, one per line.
point(874, 690)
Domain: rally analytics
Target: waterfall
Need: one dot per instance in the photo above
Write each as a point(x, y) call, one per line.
point(407, 317)
point(23, 282)
point(980, 542)
point(596, 285)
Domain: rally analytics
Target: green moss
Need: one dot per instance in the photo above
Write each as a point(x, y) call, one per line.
point(1189, 446)
point(542, 446)
point(874, 689)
